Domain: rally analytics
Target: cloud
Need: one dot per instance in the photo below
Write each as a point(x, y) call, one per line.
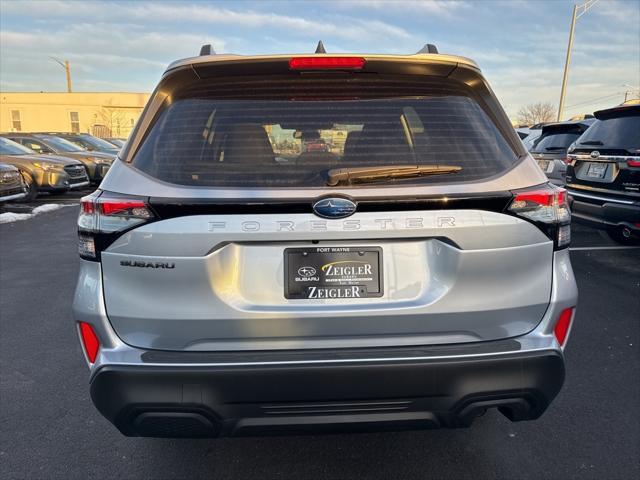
point(440, 8)
point(587, 86)
point(621, 13)
point(201, 13)
point(519, 44)
point(111, 56)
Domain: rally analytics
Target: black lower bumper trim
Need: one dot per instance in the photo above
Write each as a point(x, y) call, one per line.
point(605, 214)
point(195, 401)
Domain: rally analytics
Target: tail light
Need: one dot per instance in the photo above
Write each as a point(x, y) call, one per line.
point(562, 325)
point(105, 216)
point(633, 163)
point(90, 341)
point(326, 63)
point(548, 208)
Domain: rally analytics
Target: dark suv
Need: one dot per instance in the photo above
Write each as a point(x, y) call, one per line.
point(603, 175)
point(550, 149)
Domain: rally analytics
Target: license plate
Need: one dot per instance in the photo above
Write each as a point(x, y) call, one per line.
point(596, 170)
point(333, 273)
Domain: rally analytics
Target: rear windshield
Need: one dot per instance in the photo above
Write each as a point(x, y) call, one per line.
point(291, 132)
point(617, 132)
point(555, 142)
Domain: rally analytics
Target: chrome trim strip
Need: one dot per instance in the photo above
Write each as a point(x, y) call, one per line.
point(78, 185)
point(617, 158)
point(323, 361)
point(573, 193)
point(15, 196)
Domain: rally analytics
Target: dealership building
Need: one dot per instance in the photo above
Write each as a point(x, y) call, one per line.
point(104, 114)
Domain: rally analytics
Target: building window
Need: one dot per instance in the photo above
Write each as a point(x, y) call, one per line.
point(16, 122)
point(75, 122)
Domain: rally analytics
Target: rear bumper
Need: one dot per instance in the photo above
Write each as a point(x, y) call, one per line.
point(350, 395)
point(604, 212)
point(226, 393)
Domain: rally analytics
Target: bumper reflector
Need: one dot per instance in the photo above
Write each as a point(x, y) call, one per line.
point(90, 341)
point(562, 326)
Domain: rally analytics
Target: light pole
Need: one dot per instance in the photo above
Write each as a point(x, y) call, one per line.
point(578, 11)
point(67, 69)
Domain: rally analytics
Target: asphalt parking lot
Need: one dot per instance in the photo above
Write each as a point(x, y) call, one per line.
point(51, 430)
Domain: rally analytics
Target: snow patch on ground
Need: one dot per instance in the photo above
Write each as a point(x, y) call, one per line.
point(14, 217)
point(9, 217)
point(47, 207)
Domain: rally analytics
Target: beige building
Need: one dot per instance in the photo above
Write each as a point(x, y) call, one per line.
point(101, 114)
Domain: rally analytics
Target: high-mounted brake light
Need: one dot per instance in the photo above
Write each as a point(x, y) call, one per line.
point(326, 63)
point(90, 341)
point(562, 325)
point(103, 216)
point(548, 208)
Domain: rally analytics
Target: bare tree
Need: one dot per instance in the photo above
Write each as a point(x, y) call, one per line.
point(112, 119)
point(533, 113)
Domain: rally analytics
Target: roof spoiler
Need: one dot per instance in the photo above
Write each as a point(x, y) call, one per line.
point(618, 111)
point(207, 50)
point(428, 48)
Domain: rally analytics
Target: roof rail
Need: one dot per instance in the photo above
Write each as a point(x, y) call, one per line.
point(428, 48)
point(207, 50)
point(320, 47)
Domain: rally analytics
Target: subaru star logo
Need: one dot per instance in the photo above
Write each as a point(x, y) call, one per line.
point(334, 207)
point(306, 272)
point(595, 154)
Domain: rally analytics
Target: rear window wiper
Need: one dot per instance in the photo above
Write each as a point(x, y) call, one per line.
point(592, 142)
point(371, 174)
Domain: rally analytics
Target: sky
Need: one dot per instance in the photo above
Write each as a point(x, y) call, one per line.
point(520, 45)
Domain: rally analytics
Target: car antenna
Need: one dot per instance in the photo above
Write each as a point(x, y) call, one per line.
point(320, 47)
point(428, 48)
point(207, 50)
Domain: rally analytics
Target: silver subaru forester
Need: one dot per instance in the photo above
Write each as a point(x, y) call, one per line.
point(294, 243)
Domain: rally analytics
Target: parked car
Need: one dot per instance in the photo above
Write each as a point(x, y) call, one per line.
point(314, 145)
point(533, 134)
point(550, 149)
point(97, 163)
point(603, 176)
point(12, 186)
point(43, 173)
point(416, 278)
point(118, 142)
point(88, 142)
